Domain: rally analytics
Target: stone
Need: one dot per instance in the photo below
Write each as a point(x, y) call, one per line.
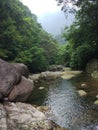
point(22, 116)
point(48, 75)
point(40, 88)
point(3, 118)
point(84, 85)
point(94, 74)
point(9, 77)
point(13, 85)
point(97, 96)
point(22, 69)
point(43, 108)
point(96, 102)
point(21, 91)
point(82, 93)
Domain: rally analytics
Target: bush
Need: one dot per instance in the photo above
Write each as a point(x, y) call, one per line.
point(81, 56)
point(34, 59)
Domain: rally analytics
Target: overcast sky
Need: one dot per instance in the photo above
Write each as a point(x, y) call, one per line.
point(49, 15)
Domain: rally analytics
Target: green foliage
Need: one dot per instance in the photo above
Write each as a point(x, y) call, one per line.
point(22, 38)
point(63, 55)
point(66, 55)
point(60, 55)
point(83, 35)
point(81, 56)
point(34, 59)
point(50, 47)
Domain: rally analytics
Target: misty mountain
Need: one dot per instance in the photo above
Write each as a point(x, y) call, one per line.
point(54, 23)
point(59, 38)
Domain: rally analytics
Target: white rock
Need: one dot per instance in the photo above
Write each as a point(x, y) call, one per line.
point(82, 93)
point(83, 85)
point(97, 96)
point(40, 88)
point(96, 102)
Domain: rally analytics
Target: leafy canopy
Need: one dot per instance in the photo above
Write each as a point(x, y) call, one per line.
point(22, 39)
point(83, 34)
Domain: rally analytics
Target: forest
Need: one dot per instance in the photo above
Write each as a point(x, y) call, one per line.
point(22, 38)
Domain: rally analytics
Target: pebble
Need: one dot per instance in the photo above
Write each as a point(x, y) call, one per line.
point(82, 93)
point(40, 88)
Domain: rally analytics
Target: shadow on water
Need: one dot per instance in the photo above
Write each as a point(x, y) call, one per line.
point(67, 108)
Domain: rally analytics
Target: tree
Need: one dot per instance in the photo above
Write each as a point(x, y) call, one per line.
point(82, 35)
point(81, 56)
point(34, 59)
point(22, 38)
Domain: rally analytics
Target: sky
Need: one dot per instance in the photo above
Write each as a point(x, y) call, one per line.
point(42, 7)
point(49, 15)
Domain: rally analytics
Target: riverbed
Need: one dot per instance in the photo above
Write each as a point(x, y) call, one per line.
point(67, 108)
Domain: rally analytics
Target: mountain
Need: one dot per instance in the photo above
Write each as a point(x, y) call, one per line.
point(54, 23)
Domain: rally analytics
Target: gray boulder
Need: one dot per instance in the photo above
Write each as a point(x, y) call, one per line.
point(21, 91)
point(13, 85)
point(22, 69)
point(21, 116)
point(9, 76)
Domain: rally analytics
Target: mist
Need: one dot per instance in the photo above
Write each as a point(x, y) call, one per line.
point(54, 23)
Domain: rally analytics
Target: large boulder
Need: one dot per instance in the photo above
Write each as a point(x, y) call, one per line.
point(21, 116)
point(22, 69)
point(13, 85)
point(21, 91)
point(94, 74)
point(9, 76)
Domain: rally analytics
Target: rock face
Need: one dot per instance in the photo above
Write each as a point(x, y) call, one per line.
point(13, 85)
point(21, 91)
point(9, 76)
point(22, 69)
point(21, 116)
point(3, 118)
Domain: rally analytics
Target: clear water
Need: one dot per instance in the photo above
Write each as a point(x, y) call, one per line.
point(67, 108)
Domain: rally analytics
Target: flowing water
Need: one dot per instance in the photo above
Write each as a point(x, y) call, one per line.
point(68, 109)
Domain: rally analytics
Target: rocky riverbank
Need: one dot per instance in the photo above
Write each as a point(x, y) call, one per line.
point(21, 116)
point(66, 73)
point(15, 88)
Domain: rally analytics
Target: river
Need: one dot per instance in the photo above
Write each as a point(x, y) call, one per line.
point(68, 109)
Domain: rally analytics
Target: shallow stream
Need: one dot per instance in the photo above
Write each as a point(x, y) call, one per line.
point(68, 109)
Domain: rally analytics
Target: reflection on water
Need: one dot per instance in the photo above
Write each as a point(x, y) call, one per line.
point(69, 110)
